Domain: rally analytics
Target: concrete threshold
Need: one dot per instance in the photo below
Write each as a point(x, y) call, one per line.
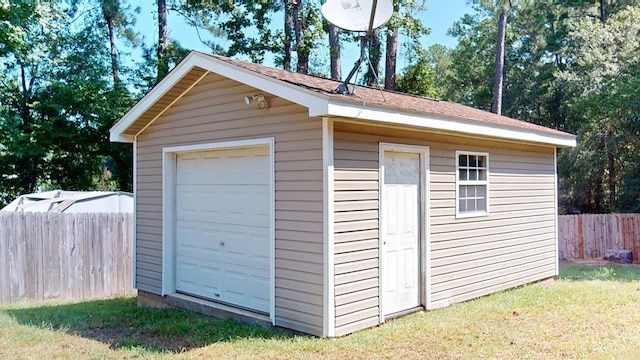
point(217, 310)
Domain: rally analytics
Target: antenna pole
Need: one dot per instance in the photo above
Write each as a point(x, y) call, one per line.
point(372, 17)
point(343, 89)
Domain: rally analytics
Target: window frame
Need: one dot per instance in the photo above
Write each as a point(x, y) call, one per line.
point(485, 183)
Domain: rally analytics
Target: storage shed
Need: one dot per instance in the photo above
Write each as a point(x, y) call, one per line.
point(262, 194)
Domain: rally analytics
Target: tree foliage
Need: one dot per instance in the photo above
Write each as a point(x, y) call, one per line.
point(57, 101)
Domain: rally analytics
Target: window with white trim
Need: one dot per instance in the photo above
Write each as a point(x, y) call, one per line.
point(472, 183)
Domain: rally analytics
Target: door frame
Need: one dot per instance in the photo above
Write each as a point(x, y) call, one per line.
point(169, 241)
point(424, 282)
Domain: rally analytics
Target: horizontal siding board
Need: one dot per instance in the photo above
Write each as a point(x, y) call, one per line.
point(356, 215)
point(310, 226)
point(299, 326)
point(359, 175)
point(355, 326)
point(293, 205)
point(296, 215)
point(302, 246)
point(342, 206)
point(355, 256)
point(356, 225)
point(299, 276)
point(461, 243)
point(356, 235)
point(293, 295)
point(360, 315)
point(455, 266)
point(442, 258)
point(357, 276)
point(474, 290)
point(314, 268)
point(504, 245)
point(300, 317)
point(361, 185)
point(356, 286)
point(355, 195)
point(480, 228)
point(311, 186)
point(483, 275)
point(355, 266)
point(300, 286)
point(369, 303)
point(355, 296)
point(306, 257)
point(345, 247)
point(298, 235)
point(506, 265)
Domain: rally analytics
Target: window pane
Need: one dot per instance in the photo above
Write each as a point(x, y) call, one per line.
point(473, 174)
point(473, 161)
point(482, 174)
point(481, 191)
point(482, 161)
point(462, 207)
point(464, 175)
point(462, 160)
point(482, 204)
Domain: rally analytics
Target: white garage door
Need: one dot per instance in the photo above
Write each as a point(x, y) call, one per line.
point(223, 226)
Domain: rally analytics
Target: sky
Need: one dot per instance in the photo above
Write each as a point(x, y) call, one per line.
point(439, 16)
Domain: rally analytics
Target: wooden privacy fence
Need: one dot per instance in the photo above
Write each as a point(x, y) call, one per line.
point(58, 256)
point(590, 236)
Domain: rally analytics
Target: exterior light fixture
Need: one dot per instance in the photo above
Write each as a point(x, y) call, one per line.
point(260, 100)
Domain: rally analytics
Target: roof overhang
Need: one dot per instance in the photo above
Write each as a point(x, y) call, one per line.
point(195, 66)
point(440, 123)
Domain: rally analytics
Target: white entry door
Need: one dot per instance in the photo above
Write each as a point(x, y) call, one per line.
point(401, 232)
point(223, 226)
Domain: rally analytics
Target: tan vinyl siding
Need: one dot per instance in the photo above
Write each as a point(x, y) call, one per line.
point(470, 257)
point(356, 234)
point(214, 111)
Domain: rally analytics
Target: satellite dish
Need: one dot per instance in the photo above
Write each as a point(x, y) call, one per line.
point(356, 15)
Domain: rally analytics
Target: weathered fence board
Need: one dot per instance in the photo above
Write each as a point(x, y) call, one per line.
point(58, 256)
point(590, 236)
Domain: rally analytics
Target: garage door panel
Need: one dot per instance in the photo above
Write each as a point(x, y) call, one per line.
point(226, 281)
point(223, 226)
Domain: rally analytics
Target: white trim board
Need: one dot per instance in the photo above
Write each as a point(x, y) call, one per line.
point(328, 228)
point(169, 156)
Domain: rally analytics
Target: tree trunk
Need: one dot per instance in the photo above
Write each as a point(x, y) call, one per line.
point(611, 167)
point(110, 10)
point(371, 76)
point(114, 55)
point(603, 14)
point(391, 59)
point(334, 53)
point(289, 24)
point(496, 106)
point(163, 46)
point(302, 63)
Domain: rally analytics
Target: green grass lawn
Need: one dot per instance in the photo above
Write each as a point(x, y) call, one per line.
point(591, 312)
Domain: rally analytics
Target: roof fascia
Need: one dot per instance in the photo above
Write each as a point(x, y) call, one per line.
point(361, 111)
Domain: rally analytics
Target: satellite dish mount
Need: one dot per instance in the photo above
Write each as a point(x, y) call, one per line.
point(357, 16)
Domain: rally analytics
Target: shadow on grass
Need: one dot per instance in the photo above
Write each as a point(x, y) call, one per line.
point(607, 272)
point(120, 323)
